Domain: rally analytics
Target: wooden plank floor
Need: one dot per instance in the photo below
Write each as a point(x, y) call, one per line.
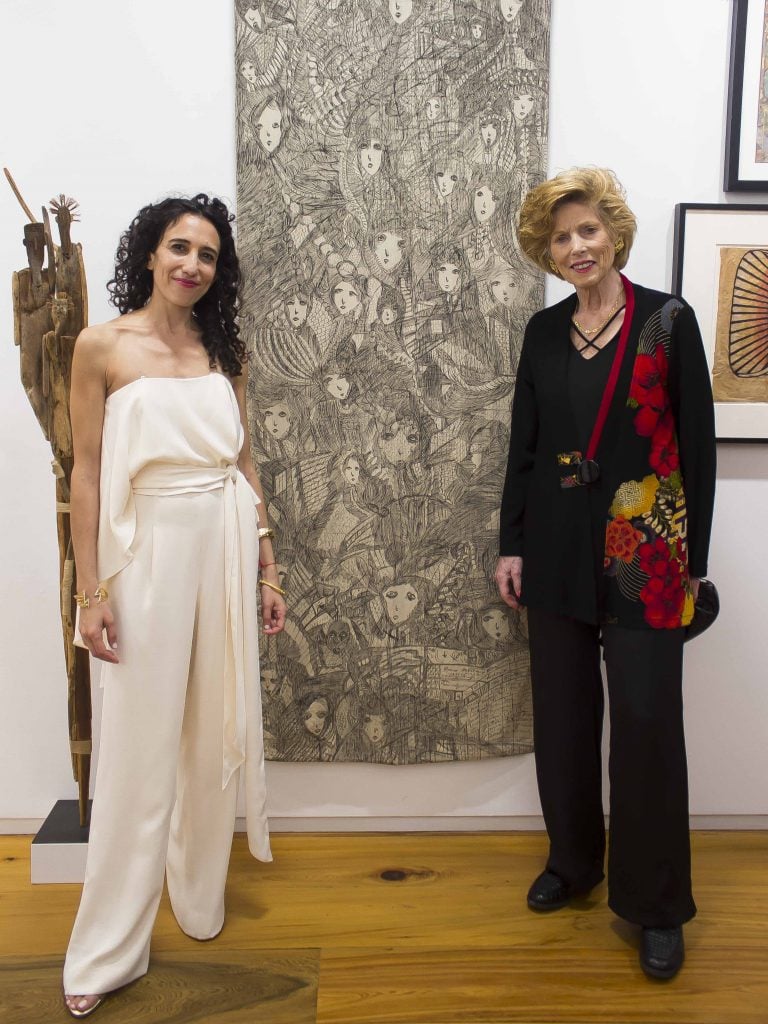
point(408, 929)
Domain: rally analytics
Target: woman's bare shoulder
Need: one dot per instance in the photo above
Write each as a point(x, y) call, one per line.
point(100, 339)
point(104, 342)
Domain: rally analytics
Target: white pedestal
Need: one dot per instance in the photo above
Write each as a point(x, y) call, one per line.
point(59, 849)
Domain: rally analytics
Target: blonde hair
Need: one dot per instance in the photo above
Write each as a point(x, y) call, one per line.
point(595, 186)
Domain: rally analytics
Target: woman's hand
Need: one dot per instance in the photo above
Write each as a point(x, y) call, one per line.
point(509, 579)
point(93, 621)
point(695, 582)
point(273, 609)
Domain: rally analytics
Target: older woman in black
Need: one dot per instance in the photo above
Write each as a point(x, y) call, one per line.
point(605, 524)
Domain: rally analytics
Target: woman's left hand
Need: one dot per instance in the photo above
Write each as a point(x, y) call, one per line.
point(695, 587)
point(273, 609)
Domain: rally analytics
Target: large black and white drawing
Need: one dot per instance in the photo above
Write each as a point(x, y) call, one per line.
point(383, 150)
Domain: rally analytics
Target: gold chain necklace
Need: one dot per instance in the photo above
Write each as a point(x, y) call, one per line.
point(596, 330)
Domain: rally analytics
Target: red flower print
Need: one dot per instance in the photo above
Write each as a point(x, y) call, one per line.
point(649, 379)
point(646, 420)
point(648, 390)
point(666, 610)
point(654, 557)
point(622, 539)
point(664, 458)
point(663, 595)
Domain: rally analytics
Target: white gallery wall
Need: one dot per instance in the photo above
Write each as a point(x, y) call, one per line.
point(118, 104)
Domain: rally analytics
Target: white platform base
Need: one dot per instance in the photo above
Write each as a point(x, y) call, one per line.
point(61, 845)
point(58, 862)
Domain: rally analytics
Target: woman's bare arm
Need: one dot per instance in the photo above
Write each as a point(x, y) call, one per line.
point(87, 403)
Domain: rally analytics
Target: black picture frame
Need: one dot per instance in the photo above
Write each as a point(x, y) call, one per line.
point(701, 230)
point(740, 175)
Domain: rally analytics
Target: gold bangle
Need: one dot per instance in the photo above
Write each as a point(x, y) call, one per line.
point(264, 532)
point(272, 586)
point(100, 594)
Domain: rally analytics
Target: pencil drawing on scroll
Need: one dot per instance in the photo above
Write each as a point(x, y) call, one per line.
point(740, 372)
point(383, 150)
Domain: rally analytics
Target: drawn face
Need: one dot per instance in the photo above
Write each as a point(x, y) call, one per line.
point(338, 637)
point(369, 155)
point(400, 602)
point(488, 133)
point(183, 265)
point(248, 71)
point(316, 716)
point(503, 288)
point(253, 18)
point(434, 108)
point(448, 278)
point(277, 421)
point(375, 728)
point(388, 315)
point(270, 680)
point(337, 386)
point(522, 106)
point(398, 443)
point(389, 247)
point(496, 624)
point(484, 204)
point(581, 248)
point(476, 30)
point(352, 470)
point(269, 127)
point(346, 298)
point(510, 9)
point(296, 308)
point(400, 10)
point(446, 180)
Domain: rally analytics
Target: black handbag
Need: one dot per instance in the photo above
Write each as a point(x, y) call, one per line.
point(705, 611)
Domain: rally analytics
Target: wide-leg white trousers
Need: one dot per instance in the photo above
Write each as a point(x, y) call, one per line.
point(159, 806)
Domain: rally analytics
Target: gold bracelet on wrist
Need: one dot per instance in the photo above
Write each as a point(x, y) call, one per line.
point(265, 532)
point(272, 586)
point(82, 600)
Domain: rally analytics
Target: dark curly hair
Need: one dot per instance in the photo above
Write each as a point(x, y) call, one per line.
point(216, 313)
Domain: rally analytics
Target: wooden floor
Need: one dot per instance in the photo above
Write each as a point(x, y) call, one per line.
point(407, 929)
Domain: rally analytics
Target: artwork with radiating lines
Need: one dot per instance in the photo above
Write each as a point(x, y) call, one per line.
point(741, 342)
point(384, 147)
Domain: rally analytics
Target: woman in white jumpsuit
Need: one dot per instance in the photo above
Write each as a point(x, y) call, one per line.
point(166, 534)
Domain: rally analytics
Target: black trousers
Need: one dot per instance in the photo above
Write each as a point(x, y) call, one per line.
point(649, 859)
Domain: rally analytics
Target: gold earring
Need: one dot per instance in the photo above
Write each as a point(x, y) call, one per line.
point(553, 268)
point(619, 246)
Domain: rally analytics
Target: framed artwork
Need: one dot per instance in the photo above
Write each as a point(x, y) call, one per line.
point(720, 266)
point(746, 141)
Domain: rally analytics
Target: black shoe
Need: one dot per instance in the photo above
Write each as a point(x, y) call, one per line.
point(548, 892)
point(662, 952)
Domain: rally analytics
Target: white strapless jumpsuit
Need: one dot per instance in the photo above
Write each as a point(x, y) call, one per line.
point(178, 552)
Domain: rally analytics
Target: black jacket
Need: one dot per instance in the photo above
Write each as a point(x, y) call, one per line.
point(618, 550)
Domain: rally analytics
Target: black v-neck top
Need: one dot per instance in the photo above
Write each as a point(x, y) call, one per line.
point(587, 379)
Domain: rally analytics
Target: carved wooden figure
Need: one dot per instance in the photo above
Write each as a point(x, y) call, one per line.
point(50, 309)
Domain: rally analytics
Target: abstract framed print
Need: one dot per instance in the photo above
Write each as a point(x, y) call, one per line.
point(720, 266)
point(746, 142)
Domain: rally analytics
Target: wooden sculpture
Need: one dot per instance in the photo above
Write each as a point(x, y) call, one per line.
point(50, 308)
